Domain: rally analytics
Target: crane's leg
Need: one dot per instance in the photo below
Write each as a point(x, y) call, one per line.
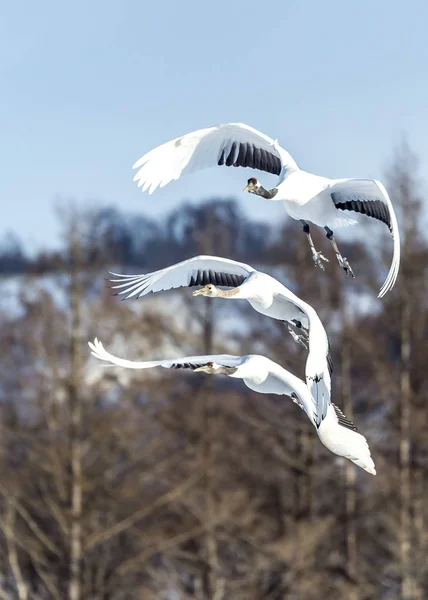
point(317, 256)
point(298, 333)
point(342, 260)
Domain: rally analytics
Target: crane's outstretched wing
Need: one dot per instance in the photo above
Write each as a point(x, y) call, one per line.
point(319, 364)
point(231, 144)
point(369, 197)
point(199, 270)
point(295, 388)
point(320, 388)
point(186, 362)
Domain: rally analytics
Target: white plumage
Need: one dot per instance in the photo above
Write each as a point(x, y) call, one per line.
point(265, 294)
point(203, 148)
point(306, 197)
point(262, 375)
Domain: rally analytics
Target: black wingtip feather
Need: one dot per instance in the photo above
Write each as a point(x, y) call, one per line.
point(329, 360)
point(249, 155)
point(343, 421)
point(217, 278)
point(371, 208)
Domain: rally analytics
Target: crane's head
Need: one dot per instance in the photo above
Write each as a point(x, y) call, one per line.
point(253, 185)
point(213, 368)
point(209, 290)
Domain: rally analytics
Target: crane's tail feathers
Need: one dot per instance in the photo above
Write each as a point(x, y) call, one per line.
point(358, 451)
point(368, 466)
point(340, 436)
point(395, 265)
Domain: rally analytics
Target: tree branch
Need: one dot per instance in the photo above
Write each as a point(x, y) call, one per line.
point(9, 522)
point(121, 526)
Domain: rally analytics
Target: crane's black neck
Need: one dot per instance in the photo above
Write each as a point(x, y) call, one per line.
point(266, 194)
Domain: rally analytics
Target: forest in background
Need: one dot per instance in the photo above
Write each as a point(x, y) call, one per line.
point(122, 485)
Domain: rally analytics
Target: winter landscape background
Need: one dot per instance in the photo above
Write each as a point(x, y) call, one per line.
point(123, 485)
point(176, 485)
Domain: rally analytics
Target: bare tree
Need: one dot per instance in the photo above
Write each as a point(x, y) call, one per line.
point(119, 484)
point(75, 404)
point(350, 471)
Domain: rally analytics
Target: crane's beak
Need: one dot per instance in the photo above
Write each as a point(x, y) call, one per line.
point(200, 369)
point(247, 188)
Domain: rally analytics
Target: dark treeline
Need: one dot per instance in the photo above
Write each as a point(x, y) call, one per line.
point(109, 236)
point(123, 485)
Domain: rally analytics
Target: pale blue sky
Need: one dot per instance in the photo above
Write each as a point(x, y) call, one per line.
point(88, 87)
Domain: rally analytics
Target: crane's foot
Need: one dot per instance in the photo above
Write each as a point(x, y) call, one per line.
point(343, 262)
point(319, 258)
point(298, 337)
point(296, 400)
